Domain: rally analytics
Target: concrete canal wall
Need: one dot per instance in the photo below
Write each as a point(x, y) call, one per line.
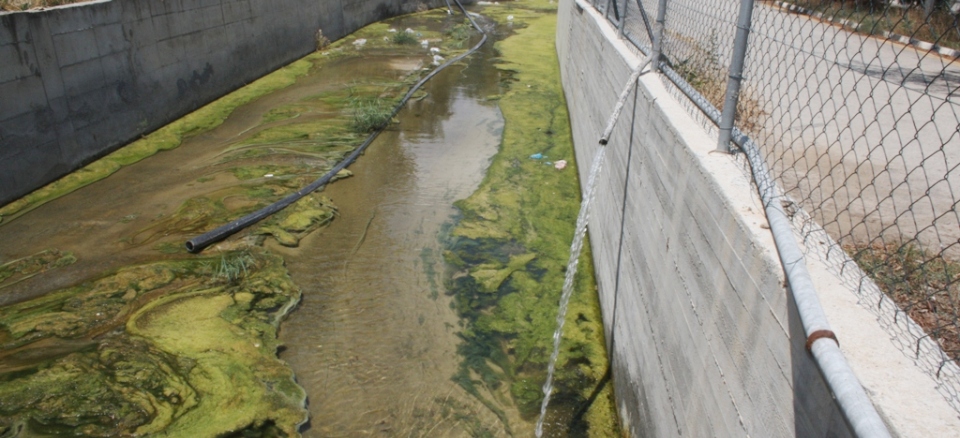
point(703, 335)
point(79, 81)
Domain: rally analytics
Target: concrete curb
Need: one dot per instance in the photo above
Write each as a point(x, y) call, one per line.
point(902, 39)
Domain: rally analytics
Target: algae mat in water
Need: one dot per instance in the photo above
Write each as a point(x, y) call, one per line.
point(171, 348)
point(163, 343)
point(510, 249)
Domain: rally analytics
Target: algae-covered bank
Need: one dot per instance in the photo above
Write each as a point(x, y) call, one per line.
point(509, 251)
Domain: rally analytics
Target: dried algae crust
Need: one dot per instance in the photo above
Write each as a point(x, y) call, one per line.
point(512, 244)
point(174, 348)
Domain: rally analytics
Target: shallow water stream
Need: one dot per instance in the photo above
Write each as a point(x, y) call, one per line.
point(373, 341)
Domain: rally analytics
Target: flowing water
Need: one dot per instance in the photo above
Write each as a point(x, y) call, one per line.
point(373, 341)
point(571, 272)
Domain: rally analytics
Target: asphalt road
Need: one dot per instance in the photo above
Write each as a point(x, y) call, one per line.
point(862, 131)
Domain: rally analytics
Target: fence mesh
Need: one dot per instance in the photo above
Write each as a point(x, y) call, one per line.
point(855, 107)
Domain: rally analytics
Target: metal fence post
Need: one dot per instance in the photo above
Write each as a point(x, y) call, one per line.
point(736, 75)
point(623, 18)
point(658, 41)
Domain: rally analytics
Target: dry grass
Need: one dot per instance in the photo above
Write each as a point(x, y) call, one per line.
point(710, 81)
point(941, 27)
point(26, 5)
point(926, 287)
point(322, 41)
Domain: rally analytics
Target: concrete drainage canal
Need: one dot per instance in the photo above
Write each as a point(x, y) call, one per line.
point(414, 296)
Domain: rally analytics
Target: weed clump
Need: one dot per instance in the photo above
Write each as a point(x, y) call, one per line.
point(234, 268)
point(459, 34)
point(404, 38)
point(369, 114)
point(322, 41)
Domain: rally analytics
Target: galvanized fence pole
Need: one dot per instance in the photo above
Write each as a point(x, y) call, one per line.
point(623, 18)
point(658, 41)
point(736, 75)
point(646, 23)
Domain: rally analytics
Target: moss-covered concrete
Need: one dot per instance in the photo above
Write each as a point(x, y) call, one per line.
point(511, 247)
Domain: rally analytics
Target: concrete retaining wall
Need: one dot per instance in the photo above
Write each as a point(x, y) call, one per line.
point(703, 337)
point(77, 82)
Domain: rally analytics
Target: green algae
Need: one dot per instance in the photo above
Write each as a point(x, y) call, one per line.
point(21, 269)
point(509, 250)
point(295, 222)
point(187, 347)
point(171, 348)
point(213, 114)
point(298, 142)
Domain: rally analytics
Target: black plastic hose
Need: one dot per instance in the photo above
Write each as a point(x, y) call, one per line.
point(204, 240)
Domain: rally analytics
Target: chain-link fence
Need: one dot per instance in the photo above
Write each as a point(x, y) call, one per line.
point(854, 105)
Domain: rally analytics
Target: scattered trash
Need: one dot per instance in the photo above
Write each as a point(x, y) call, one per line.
point(386, 38)
point(269, 175)
point(392, 30)
point(425, 43)
point(509, 17)
point(536, 156)
point(560, 164)
point(409, 30)
point(434, 50)
point(437, 59)
point(360, 42)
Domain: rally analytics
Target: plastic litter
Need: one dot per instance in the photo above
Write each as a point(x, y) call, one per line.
point(509, 17)
point(536, 156)
point(392, 30)
point(560, 164)
point(269, 175)
point(409, 30)
point(360, 42)
point(435, 50)
point(437, 59)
